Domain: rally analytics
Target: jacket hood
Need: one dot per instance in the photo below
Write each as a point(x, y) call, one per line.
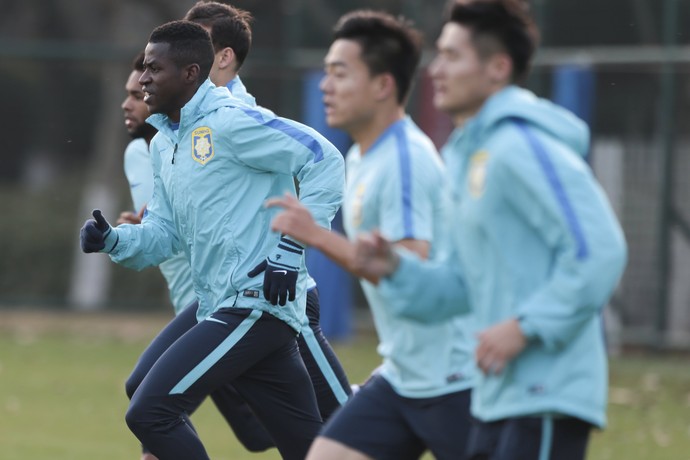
point(207, 98)
point(514, 102)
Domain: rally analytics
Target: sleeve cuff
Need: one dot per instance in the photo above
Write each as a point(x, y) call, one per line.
point(528, 329)
point(405, 267)
point(111, 240)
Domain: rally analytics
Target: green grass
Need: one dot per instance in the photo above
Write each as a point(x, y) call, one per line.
point(62, 392)
point(62, 396)
point(649, 410)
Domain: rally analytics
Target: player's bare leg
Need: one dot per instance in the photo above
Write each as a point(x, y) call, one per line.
point(327, 449)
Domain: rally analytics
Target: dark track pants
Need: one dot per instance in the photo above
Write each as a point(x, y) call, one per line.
point(248, 430)
point(327, 375)
point(255, 352)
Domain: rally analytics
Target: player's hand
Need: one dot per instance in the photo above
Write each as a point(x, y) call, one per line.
point(498, 345)
point(295, 220)
point(375, 256)
point(97, 235)
point(280, 271)
point(128, 217)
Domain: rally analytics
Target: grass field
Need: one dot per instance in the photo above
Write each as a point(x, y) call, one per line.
point(62, 398)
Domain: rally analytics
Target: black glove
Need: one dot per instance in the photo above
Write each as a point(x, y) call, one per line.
point(97, 235)
point(280, 272)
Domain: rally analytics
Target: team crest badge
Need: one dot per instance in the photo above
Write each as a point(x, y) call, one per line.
point(477, 173)
point(202, 145)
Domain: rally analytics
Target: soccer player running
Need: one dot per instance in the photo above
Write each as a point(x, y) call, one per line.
point(419, 397)
point(215, 161)
point(538, 250)
point(176, 271)
point(232, 37)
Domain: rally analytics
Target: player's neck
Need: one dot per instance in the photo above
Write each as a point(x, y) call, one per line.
point(224, 78)
point(368, 133)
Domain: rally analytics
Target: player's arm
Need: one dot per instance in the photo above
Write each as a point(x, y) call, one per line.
point(410, 284)
point(297, 222)
point(268, 143)
point(155, 240)
point(572, 215)
point(133, 169)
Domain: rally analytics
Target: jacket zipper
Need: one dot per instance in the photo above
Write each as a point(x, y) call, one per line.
point(173, 155)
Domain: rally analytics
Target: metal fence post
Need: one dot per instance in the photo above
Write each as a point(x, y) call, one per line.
point(666, 179)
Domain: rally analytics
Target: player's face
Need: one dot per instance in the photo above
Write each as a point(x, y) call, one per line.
point(348, 87)
point(134, 108)
point(162, 80)
point(460, 77)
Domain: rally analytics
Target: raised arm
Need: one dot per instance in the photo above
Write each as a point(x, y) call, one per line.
point(297, 222)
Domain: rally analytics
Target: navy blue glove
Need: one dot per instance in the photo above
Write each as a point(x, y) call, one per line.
point(97, 235)
point(280, 272)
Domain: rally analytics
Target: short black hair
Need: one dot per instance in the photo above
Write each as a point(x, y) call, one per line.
point(138, 62)
point(506, 22)
point(230, 26)
point(189, 44)
point(389, 44)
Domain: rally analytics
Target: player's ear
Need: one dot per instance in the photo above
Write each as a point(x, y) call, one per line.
point(225, 58)
point(190, 73)
point(385, 86)
point(500, 68)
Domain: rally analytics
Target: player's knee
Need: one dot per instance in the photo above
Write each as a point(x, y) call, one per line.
point(149, 415)
point(140, 418)
point(132, 384)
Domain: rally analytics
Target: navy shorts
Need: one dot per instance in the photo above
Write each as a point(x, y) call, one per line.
point(529, 438)
point(380, 423)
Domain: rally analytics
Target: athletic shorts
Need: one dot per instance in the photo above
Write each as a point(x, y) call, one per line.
point(380, 423)
point(529, 438)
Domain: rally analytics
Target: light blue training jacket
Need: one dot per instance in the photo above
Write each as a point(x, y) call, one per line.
point(139, 173)
point(211, 178)
point(534, 238)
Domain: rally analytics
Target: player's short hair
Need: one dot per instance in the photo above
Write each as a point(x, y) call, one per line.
point(499, 25)
point(230, 26)
point(189, 44)
point(388, 44)
point(138, 62)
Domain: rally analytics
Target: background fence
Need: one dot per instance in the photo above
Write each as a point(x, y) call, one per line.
point(622, 65)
